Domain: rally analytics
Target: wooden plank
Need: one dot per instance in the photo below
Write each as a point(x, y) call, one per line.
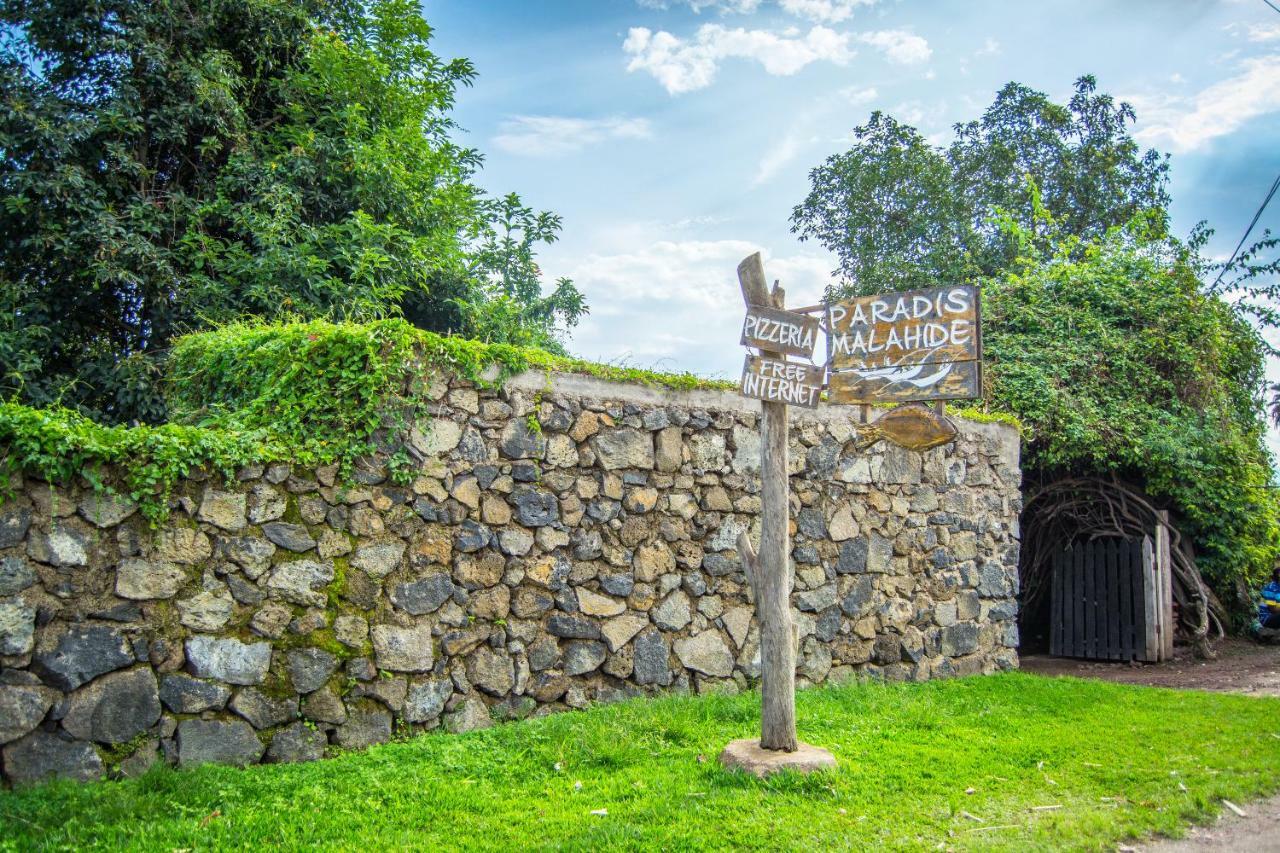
point(1139, 602)
point(1164, 562)
point(774, 330)
point(1068, 608)
point(1104, 601)
point(1106, 622)
point(959, 380)
point(1150, 603)
point(899, 329)
point(1113, 600)
point(779, 381)
point(769, 571)
point(1091, 600)
point(1099, 596)
point(1077, 600)
point(1124, 571)
point(1055, 607)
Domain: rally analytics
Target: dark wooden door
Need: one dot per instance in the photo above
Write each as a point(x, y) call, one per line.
point(1104, 602)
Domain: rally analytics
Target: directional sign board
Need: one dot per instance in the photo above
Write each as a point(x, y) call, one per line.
point(774, 330)
point(778, 381)
point(896, 347)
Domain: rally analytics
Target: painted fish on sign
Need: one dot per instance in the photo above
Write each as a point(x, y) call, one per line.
point(955, 380)
point(779, 381)
point(774, 330)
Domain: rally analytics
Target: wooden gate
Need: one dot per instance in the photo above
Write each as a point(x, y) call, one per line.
point(1112, 600)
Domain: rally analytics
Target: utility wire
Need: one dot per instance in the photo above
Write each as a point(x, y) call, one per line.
point(1275, 185)
point(1272, 5)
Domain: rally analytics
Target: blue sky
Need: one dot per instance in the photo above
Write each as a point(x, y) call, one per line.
point(675, 136)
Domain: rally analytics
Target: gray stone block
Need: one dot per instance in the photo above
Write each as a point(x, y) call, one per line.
point(217, 742)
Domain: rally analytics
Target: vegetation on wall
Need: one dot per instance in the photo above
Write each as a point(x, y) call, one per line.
point(169, 166)
point(314, 393)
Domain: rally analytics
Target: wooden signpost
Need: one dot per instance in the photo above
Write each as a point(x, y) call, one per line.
point(900, 347)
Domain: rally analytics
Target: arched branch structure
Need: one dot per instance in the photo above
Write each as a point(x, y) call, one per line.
point(1072, 508)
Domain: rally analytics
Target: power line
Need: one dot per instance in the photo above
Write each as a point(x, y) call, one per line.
point(1275, 185)
point(1272, 5)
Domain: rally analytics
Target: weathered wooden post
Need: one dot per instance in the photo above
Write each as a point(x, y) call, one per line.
point(768, 571)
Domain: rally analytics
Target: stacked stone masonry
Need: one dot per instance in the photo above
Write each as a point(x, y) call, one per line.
point(566, 541)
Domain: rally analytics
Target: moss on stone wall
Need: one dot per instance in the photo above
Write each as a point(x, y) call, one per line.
point(313, 393)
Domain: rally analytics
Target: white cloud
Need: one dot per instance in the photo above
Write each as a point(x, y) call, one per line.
point(1255, 32)
point(1263, 32)
point(685, 65)
point(1189, 122)
point(824, 11)
point(548, 136)
point(724, 7)
point(777, 157)
point(821, 11)
point(898, 46)
point(910, 112)
point(990, 47)
point(676, 305)
point(856, 95)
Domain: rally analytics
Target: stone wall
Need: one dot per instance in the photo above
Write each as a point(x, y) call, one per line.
point(520, 573)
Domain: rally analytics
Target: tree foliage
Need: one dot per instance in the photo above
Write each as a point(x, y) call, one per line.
point(901, 213)
point(166, 166)
point(1100, 333)
point(1117, 361)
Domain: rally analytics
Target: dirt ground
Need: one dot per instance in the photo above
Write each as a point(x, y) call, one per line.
point(1242, 666)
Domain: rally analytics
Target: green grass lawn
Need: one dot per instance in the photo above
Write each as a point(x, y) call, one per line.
point(964, 763)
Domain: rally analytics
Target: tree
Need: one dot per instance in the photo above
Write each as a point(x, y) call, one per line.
point(1118, 362)
point(499, 297)
point(900, 213)
point(1099, 331)
point(166, 166)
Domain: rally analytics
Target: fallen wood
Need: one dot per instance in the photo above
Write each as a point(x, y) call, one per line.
point(1239, 812)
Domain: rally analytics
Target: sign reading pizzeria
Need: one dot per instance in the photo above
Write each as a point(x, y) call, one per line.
point(775, 330)
point(899, 347)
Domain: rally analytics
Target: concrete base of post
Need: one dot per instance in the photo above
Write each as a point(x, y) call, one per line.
point(747, 755)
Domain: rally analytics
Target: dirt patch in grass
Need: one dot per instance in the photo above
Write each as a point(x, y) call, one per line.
point(1242, 666)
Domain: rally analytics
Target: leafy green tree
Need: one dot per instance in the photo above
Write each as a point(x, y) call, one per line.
point(1099, 331)
point(168, 165)
point(499, 296)
point(900, 213)
point(1117, 361)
